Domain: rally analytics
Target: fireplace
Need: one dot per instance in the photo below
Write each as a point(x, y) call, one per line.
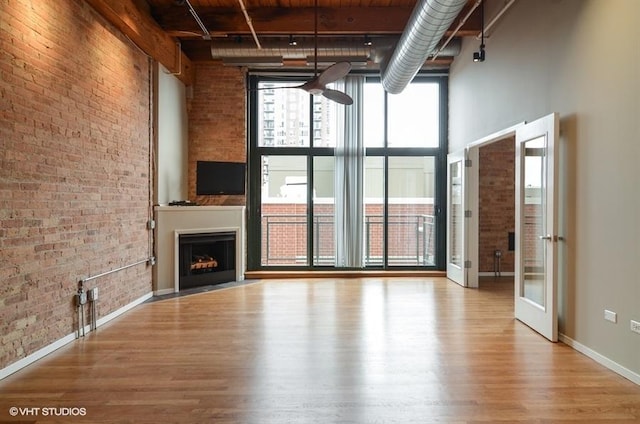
point(176, 221)
point(206, 259)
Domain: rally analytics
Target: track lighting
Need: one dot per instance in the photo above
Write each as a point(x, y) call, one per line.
point(367, 41)
point(479, 56)
point(292, 41)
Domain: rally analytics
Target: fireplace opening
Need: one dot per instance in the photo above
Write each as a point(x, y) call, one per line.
point(206, 259)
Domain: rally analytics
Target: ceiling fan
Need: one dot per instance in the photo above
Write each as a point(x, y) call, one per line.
point(318, 84)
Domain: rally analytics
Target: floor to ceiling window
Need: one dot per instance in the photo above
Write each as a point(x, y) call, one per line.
point(358, 186)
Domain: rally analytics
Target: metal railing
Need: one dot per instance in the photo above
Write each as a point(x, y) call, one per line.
point(411, 240)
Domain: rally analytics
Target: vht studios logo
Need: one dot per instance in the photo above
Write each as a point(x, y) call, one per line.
point(47, 412)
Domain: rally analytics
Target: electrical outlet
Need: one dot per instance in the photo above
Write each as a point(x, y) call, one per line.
point(635, 326)
point(610, 316)
point(93, 294)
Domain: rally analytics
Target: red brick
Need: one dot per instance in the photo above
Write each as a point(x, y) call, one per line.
point(217, 124)
point(496, 204)
point(74, 168)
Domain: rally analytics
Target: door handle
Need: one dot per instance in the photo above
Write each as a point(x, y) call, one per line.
point(547, 237)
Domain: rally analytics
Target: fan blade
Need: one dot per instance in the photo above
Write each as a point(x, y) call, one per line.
point(313, 86)
point(334, 73)
point(337, 96)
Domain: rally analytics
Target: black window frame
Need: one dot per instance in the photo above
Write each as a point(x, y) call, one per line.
point(254, 179)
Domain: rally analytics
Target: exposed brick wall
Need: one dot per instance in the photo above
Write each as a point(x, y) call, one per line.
point(497, 204)
point(217, 123)
point(74, 168)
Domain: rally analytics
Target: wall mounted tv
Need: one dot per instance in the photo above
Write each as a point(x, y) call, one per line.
point(220, 177)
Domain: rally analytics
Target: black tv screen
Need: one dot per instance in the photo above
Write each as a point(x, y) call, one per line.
point(220, 177)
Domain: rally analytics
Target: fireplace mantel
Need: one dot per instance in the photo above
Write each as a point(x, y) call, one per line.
point(174, 220)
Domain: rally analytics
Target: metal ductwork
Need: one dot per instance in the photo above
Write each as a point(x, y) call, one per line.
point(331, 49)
point(429, 21)
point(281, 47)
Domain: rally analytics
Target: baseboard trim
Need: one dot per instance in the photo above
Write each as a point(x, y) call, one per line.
point(601, 359)
point(41, 353)
point(163, 292)
point(124, 309)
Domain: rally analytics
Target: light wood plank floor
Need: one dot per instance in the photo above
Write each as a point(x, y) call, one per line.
point(374, 350)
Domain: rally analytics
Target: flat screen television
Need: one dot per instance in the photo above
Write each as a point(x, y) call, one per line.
point(220, 177)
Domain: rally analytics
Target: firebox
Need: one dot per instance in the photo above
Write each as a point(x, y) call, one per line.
point(206, 259)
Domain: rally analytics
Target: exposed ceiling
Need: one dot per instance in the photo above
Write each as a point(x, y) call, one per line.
point(171, 31)
point(343, 26)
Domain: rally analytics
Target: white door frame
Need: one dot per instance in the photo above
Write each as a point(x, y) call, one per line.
point(472, 187)
point(472, 225)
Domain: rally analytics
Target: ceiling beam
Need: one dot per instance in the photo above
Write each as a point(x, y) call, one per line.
point(140, 28)
point(177, 22)
point(286, 20)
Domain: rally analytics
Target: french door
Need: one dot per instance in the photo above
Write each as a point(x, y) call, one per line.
point(456, 228)
point(462, 217)
point(536, 267)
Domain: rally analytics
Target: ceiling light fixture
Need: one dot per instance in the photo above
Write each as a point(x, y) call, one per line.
point(292, 41)
point(367, 41)
point(479, 56)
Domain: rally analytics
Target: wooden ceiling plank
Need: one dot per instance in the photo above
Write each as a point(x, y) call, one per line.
point(140, 28)
point(292, 20)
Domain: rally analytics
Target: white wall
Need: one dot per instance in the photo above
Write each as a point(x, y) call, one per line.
point(172, 138)
point(580, 58)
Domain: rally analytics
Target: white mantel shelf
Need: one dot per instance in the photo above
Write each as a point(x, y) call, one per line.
point(174, 220)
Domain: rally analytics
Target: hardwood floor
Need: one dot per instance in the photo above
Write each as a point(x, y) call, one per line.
point(374, 350)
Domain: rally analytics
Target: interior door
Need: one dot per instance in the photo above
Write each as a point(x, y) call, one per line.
point(456, 257)
point(536, 268)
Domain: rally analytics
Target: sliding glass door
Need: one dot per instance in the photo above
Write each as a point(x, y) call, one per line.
point(331, 187)
point(411, 215)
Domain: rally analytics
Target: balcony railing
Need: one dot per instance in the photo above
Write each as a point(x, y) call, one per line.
point(411, 240)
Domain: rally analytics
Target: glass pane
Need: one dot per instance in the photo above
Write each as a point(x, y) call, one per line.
point(373, 211)
point(324, 251)
point(325, 122)
point(373, 114)
point(411, 213)
point(456, 213)
point(284, 210)
point(414, 116)
point(283, 115)
point(533, 247)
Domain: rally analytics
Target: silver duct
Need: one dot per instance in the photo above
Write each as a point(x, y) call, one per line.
point(224, 49)
point(429, 21)
point(273, 48)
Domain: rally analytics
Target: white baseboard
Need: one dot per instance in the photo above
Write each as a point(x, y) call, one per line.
point(602, 360)
point(124, 309)
point(28, 360)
